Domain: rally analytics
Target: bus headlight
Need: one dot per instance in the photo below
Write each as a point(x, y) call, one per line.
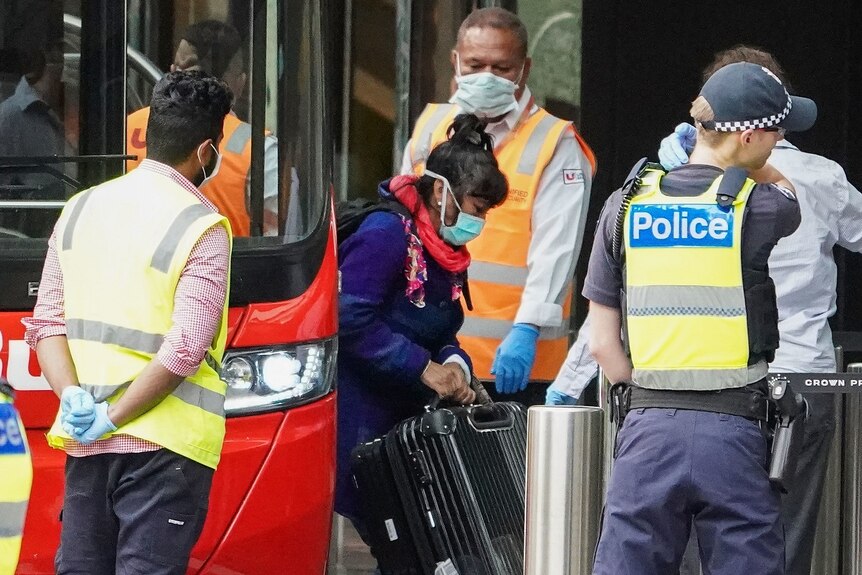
point(278, 377)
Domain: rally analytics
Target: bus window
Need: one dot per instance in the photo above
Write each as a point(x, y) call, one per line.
point(37, 117)
point(269, 183)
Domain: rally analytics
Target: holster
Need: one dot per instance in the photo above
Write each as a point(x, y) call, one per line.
point(788, 433)
point(619, 400)
point(619, 396)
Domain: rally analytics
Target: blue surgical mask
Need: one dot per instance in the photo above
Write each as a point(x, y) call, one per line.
point(467, 226)
point(483, 93)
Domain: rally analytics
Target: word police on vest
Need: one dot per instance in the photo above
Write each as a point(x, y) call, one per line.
point(694, 225)
point(11, 441)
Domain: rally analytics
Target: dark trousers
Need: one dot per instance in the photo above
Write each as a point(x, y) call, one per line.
point(678, 468)
point(131, 513)
point(800, 507)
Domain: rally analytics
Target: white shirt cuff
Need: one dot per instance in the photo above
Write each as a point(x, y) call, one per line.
point(455, 358)
point(541, 314)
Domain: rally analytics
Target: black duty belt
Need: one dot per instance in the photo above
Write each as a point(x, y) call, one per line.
point(749, 401)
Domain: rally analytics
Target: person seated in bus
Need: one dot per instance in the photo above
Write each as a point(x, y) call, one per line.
point(216, 48)
point(31, 126)
point(403, 272)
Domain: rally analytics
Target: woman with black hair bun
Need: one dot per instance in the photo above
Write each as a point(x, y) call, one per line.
point(402, 278)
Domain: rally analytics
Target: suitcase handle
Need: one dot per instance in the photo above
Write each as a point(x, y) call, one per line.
point(490, 417)
point(482, 397)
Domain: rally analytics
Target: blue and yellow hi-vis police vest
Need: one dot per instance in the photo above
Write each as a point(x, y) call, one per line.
point(685, 309)
point(16, 476)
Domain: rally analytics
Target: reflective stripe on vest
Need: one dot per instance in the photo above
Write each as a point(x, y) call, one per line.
point(427, 126)
point(187, 391)
point(124, 337)
point(12, 517)
point(227, 190)
point(499, 329)
point(166, 250)
point(119, 306)
point(685, 305)
point(498, 272)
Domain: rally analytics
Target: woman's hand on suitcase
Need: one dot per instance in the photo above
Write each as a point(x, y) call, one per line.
point(449, 382)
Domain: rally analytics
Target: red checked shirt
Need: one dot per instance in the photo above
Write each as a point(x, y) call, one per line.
point(198, 305)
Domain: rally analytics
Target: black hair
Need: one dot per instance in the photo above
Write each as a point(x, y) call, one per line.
point(216, 43)
point(187, 108)
point(499, 19)
point(467, 160)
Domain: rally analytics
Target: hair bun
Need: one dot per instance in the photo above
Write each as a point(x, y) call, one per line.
point(469, 129)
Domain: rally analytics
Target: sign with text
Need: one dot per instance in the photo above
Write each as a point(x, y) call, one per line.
point(823, 382)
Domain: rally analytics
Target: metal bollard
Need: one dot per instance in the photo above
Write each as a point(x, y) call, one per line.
point(609, 433)
point(826, 558)
point(852, 480)
point(564, 489)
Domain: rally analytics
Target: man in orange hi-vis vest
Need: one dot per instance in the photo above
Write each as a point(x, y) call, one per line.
point(216, 48)
point(523, 263)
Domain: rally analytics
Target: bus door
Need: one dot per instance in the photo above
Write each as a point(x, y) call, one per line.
point(72, 75)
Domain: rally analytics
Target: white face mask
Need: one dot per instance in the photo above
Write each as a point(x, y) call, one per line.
point(483, 93)
point(211, 175)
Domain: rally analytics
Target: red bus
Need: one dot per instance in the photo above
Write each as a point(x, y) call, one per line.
point(70, 73)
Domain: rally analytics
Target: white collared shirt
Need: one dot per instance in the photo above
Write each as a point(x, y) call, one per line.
point(558, 219)
point(802, 265)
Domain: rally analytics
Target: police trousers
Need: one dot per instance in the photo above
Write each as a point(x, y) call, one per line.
point(675, 469)
point(131, 513)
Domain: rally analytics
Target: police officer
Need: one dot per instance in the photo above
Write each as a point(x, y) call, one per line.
point(16, 475)
point(804, 271)
point(687, 279)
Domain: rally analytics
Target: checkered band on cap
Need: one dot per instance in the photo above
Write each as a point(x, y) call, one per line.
point(767, 122)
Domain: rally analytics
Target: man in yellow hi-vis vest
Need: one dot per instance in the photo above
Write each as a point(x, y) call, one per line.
point(523, 263)
point(679, 266)
point(129, 328)
point(16, 475)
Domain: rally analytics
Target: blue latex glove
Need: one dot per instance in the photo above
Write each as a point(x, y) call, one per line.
point(101, 425)
point(514, 358)
point(557, 397)
point(77, 410)
point(675, 148)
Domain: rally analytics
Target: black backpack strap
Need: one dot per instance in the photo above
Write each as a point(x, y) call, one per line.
point(395, 207)
point(730, 186)
point(465, 291)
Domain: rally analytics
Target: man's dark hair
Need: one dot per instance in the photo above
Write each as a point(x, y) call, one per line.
point(499, 19)
point(216, 43)
point(187, 108)
point(467, 160)
point(750, 54)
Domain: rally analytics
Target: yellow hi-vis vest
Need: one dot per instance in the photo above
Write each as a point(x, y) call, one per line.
point(498, 272)
point(684, 306)
point(16, 476)
point(119, 298)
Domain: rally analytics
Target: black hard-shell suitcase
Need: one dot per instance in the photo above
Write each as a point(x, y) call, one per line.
point(392, 543)
point(460, 476)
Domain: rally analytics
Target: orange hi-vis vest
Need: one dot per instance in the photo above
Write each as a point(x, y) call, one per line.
point(227, 190)
point(498, 272)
